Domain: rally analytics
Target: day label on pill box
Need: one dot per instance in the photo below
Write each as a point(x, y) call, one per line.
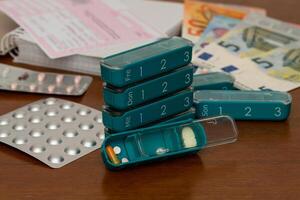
point(54, 131)
point(243, 105)
point(149, 90)
point(149, 113)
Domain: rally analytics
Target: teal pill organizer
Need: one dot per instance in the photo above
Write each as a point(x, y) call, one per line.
point(160, 142)
point(213, 81)
point(243, 105)
point(146, 61)
point(174, 81)
point(190, 114)
point(158, 110)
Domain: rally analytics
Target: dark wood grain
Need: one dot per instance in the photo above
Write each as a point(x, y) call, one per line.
point(263, 164)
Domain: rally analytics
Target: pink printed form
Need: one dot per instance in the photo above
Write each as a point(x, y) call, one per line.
point(67, 27)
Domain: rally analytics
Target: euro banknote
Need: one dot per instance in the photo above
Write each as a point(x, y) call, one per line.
point(258, 34)
point(282, 63)
point(198, 14)
point(248, 74)
point(247, 9)
point(216, 28)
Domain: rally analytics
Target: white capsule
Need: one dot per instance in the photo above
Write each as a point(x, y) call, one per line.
point(188, 137)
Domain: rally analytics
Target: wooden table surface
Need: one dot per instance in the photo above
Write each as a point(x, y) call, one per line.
point(263, 164)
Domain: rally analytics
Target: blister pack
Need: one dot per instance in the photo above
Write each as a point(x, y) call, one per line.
point(54, 131)
point(23, 80)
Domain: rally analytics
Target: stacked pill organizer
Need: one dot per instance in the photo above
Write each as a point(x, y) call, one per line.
point(148, 113)
point(147, 85)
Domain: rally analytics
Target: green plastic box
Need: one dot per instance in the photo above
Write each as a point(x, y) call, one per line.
point(140, 116)
point(165, 141)
point(243, 105)
point(122, 99)
point(213, 81)
point(147, 61)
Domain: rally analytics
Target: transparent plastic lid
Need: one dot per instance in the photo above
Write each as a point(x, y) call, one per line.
point(170, 139)
point(237, 95)
point(219, 130)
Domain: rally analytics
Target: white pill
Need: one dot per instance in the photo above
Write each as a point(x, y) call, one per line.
point(117, 150)
point(188, 137)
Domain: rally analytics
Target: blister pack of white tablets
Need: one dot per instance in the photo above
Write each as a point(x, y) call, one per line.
point(54, 131)
point(23, 80)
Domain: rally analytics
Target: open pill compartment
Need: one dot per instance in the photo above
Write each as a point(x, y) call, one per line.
point(159, 142)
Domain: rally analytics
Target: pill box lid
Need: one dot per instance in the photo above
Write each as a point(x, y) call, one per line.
point(219, 130)
point(213, 77)
point(236, 95)
point(144, 52)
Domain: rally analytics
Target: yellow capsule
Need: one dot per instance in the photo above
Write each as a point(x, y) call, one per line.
point(111, 155)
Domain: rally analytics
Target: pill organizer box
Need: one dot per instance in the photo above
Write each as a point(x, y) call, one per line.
point(23, 80)
point(213, 81)
point(166, 141)
point(141, 63)
point(190, 114)
point(54, 131)
point(140, 116)
point(243, 105)
point(122, 99)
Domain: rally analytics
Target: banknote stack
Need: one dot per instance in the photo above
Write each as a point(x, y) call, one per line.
point(260, 52)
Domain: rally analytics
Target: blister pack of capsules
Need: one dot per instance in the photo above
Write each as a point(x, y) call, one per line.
point(23, 80)
point(54, 131)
